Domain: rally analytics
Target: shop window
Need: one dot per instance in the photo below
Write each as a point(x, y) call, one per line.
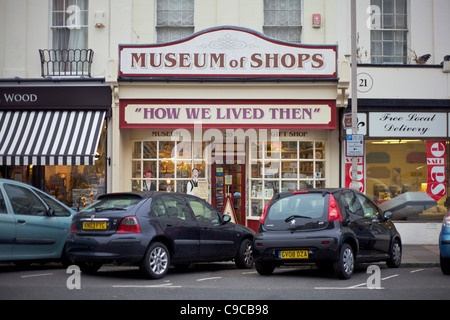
point(284, 166)
point(400, 184)
point(170, 163)
point(74, 185)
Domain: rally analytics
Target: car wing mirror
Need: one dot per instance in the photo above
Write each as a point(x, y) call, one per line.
point(226, 218)
point(388, 215)
point(51, 212)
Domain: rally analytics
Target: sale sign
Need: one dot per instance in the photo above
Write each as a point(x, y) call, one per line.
point(360, 176)
point(437, 182)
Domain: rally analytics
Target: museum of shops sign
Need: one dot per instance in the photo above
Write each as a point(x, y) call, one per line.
point(228, 52)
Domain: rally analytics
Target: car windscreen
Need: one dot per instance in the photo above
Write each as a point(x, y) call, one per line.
point(114, 202)
point(306, 209)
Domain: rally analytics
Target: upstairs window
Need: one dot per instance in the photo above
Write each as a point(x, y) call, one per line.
point(282, 20)
point(68, 54)
point(389, 31)
point(174, 19)
point(69, 24)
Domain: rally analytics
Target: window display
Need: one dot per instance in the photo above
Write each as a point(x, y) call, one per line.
point(397, 179)
point(284, 166)
point(170, 163)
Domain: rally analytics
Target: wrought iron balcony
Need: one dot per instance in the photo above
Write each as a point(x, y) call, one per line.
point(66, 62)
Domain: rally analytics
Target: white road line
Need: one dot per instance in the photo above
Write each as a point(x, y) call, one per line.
point(357, 286)
point(393, 276)
point(212, 278)
point(418, 270)
point(165, 285)
point(37, 275)
point(249, 272)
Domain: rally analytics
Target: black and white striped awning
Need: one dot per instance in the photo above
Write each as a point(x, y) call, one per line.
point(49, 137)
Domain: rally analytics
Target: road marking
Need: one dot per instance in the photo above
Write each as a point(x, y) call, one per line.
point(212, 278)
point(393, 276)
point(357, 286)
point(249, 272)
point(418, 270)
point(37, 275)
point(165, 285)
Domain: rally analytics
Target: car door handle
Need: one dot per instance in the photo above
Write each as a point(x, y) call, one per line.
point(21, 221)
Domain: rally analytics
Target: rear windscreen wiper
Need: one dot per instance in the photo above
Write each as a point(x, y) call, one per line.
point(295, 216)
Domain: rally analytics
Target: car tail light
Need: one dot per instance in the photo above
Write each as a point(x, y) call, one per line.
point(129, 225)
point(73, 228)
point(446, 222)
point(334, 214)
point(262, 218)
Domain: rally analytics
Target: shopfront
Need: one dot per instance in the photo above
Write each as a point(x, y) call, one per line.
point(405, 168)
point(253, 115)
point(53, 136)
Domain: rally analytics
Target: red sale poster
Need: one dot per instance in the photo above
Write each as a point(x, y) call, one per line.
point(361, 173)
point(436, 182)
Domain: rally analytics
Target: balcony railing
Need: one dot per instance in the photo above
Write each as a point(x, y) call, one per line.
point(66, 62)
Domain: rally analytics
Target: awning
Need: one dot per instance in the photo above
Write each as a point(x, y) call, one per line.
point(49, 137)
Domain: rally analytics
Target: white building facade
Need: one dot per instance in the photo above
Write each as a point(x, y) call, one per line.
point(300, 145)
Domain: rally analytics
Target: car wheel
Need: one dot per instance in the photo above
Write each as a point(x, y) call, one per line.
point(344, 267)
point(395, 258)
point(244, 258)
point(89, 267)
point(264, 268)
point(445, 265)
point(156, 261)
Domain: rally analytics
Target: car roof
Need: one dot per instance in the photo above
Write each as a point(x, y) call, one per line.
point(142, 194)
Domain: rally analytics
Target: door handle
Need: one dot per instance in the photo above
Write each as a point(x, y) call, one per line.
point(21, 221)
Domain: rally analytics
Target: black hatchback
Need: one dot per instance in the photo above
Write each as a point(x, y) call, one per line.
point(155, 230)
point(331, 227)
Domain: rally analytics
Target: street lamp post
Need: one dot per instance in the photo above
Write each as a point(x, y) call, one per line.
point(354, 183)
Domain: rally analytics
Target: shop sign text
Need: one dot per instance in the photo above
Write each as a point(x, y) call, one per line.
point(228, 52)
point(407, 124)
point(152, 115)
point(436, 182)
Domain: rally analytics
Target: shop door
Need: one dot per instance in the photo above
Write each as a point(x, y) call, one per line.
point(228, 177)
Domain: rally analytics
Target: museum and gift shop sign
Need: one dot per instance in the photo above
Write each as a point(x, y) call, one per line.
point(228, 52)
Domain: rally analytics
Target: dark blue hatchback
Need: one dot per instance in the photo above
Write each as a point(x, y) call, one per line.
point(330, 227)
point(155, 230)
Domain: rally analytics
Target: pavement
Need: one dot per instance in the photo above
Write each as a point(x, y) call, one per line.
point(420, 256)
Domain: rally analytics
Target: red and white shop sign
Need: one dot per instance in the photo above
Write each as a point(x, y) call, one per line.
point(437, 182)
point(228, 52)
point(361, 179)
point(223, 114)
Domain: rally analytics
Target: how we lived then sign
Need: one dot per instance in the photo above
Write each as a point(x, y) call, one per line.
point(228, 52)
point(261, 114)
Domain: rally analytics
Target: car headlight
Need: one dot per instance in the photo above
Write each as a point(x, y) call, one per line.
point(446, 222)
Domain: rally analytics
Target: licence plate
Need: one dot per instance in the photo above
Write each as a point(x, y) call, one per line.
point(94, 225)
point(293, 254)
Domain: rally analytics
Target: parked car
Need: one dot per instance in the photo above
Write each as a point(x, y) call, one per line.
point(331, 227)
point(444, 245)
point(155, 230)
point(33, 225)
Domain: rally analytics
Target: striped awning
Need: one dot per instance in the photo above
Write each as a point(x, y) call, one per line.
point(49, 137)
